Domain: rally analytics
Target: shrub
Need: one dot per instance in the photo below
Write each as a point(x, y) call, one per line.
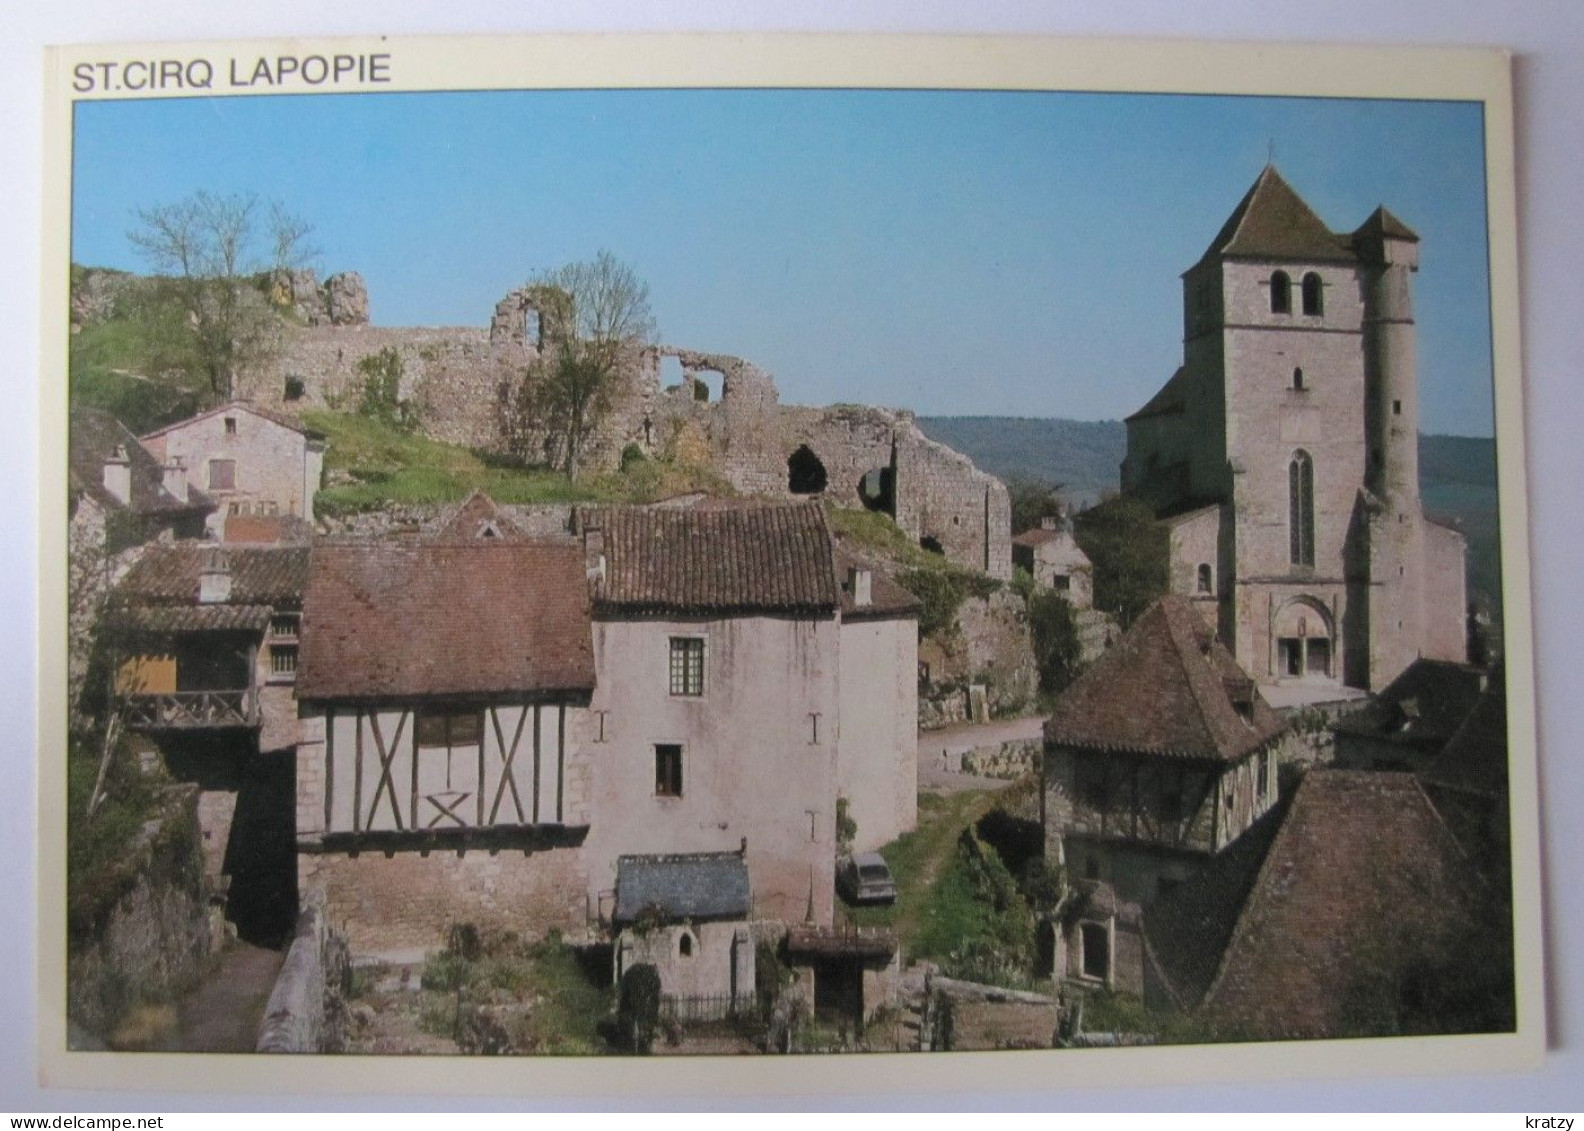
point(1055, 631)
point(633, 456)
point(382, 376)
point(846, 827)
point(639, 1009)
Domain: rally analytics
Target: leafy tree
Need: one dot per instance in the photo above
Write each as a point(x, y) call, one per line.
point(1055, 631)
point(595, 321)
point(638, 1009)
point(381, 400)
point(1032, 500)
point(1130, 553)
point(208, 251)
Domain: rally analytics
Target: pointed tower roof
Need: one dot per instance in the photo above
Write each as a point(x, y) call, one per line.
point(1382, 223)
point(1273, 222)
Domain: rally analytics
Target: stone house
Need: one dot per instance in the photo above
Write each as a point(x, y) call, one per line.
point(1161, 755)
point(120, 497)
point(207, 639)
point(687, 916)
point(1052, 556)
point(249, 460)
point(1409, 723)
point(1283, 454)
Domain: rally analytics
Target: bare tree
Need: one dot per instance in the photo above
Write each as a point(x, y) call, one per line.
point(596, 321)
point(209, 252)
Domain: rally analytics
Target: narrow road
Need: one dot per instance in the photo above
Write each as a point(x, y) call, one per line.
point(941, 750)
point(222, 1014)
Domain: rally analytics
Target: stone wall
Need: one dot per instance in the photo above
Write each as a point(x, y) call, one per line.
point(463, 381)
point(154, 938)
point(306, 1009)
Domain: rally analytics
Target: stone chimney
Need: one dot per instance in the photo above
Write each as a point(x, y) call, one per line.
point(594, 553)
point(118, 476)
point(214, 581)
point(860, 582)
point(174, 479)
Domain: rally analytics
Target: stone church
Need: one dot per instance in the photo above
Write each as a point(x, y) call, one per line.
point(1283, 454)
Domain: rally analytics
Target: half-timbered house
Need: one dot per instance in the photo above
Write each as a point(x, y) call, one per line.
point(1159, 756)
point(442, 775)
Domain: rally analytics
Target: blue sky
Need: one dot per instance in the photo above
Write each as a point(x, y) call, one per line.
point(981, 253)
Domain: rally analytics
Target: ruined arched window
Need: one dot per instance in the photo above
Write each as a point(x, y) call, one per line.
point(931, 544)
point(877, 490)
point(1313, 294)
point(1205, 578)
point(1300, 508)
point(1281, 293)
point(685, 945)
point(805, 472)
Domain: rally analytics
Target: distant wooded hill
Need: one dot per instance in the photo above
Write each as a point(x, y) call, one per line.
point(1457, 474)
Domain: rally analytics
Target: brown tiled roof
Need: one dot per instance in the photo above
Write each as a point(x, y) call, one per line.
point(1187, 929)
point(1423, 707)
point(1383, 223)
point(1361, 867)
point(1170, 399)
point(1165, 688)
point(471, 516)
point(95, 435)
point(1036, 537)
point(405, 620)
point(887, 599)
point(1273, 222)
point(260, 575)
point(191, 618)
point(739, 559)
point(239, 406)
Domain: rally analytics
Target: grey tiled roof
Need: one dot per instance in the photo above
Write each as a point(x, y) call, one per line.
point(192, 618)
point(697, 885)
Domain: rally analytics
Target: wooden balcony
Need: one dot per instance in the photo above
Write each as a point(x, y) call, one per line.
point(192, 710)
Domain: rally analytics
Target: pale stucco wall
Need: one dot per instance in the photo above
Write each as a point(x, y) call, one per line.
point(1446, 594)
point(271, 460)
point(754, 767)
point(877, 753)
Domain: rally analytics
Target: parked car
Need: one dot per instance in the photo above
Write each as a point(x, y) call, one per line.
point(866, 878)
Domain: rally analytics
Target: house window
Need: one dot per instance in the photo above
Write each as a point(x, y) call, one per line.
point(668, 770)
point(1262, 786)
point(687, 665)
point(1300, 509)
point(222, 475)
point(283, 660)
point(448, 728)
point(230, 426)
point(685, 945)
point(1313, 295)
point(1096, 951)
point(283, 628)
point(1061, 583)
point(1205, 577)
point(1281, 293)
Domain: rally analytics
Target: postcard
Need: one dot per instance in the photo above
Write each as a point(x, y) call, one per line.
point(786, 565)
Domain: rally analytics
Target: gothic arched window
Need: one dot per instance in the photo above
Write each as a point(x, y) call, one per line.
point(1281, 293)
point(1300, 508)
point(1313, 295)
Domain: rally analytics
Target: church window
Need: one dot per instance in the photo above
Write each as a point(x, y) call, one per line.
point(1205, 577)
point(1300, 504)
point(1298, 379)
point(685, 945)
point(1396, 408)
point(1281, 293)
point(1313, 295)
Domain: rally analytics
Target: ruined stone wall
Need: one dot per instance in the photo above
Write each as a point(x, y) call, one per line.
point(306, 1009)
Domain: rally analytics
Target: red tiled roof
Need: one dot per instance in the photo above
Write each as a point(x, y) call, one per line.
point(887, 599)
point(1422, 707)
point(1273, 222)
point(752, 558)
point(267, 529)
point(388, 620)
point(260, 575)
point(1164, 688)
point(1361, 868)
point(1475, 759)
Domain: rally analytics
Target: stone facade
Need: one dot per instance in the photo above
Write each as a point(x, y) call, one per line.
point(246, 461)
point(462, 383)
point(694, 960)
point(1284, 452)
